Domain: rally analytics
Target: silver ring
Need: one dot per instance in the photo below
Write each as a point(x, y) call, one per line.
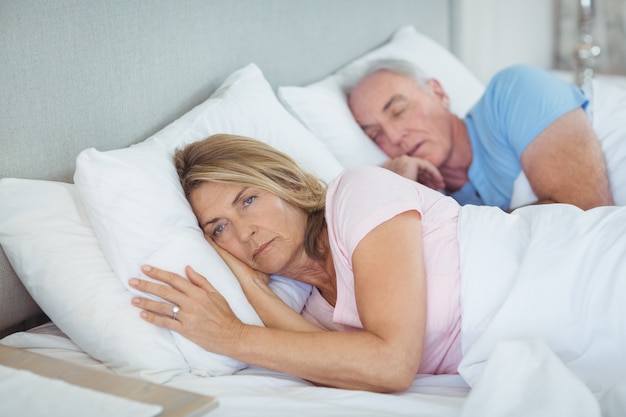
point(175, 311)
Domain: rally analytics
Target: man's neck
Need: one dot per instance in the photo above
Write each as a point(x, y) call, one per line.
point(455, 170)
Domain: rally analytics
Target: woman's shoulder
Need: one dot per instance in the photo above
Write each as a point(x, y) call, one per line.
point(368, 183)
point(365, 174)
point(363, 170)
point(359, 182)
point(370, 177)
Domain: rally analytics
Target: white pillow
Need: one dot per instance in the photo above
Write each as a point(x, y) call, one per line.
point(46, 235)
point(323, 108)
point(140, 215)
point(609, 114)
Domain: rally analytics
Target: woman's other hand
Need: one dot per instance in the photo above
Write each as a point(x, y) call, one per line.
point(203, 316)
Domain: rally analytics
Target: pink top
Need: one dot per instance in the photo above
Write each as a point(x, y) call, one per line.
point(357, 201)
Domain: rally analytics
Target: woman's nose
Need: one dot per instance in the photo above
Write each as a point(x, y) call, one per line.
point(246, 232)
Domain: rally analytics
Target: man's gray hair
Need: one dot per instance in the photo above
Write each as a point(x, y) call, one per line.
point(397, 66)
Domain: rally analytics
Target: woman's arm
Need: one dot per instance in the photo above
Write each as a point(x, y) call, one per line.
point(271, 309)
point(391, 297)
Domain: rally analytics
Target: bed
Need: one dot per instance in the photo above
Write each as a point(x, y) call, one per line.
point(96, 95)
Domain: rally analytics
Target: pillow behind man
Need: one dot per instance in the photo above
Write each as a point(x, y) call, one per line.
point(323, 108)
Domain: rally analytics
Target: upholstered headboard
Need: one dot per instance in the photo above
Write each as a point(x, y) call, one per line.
point(78, 74)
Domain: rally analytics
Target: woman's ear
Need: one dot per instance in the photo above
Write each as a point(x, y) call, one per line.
point(436, 87)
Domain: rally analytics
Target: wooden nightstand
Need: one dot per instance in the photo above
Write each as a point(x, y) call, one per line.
point(175, 402)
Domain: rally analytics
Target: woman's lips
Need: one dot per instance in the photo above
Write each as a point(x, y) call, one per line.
point(261, 248)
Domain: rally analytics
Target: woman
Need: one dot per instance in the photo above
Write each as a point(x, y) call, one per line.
point(382, 253)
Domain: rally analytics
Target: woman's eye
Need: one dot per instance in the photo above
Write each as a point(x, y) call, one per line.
point(249, 200)
point(219, 229)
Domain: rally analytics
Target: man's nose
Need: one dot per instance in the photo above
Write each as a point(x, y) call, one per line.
point(394, 134)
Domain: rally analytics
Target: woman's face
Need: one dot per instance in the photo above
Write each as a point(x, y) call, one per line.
point(255, 226)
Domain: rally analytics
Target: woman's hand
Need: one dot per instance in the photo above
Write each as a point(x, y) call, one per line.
point(244, 274)
point(204, 316)
point(255, 284)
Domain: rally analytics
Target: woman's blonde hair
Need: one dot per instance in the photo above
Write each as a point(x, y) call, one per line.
point(232, 159)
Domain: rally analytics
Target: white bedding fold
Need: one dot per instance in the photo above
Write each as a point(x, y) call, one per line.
point(258, 392)
point(524, 378)
point(554, 273)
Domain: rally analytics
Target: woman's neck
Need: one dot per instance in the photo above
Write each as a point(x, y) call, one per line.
point(318, 273)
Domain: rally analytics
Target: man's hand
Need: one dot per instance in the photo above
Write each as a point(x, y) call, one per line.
point(416, 169)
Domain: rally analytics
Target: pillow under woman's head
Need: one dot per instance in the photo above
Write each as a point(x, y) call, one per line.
point(76, 252)
point(139, 211)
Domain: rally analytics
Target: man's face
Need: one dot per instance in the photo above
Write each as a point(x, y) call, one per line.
point(402, 117)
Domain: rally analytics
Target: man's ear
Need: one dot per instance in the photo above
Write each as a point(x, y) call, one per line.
point(436, 87)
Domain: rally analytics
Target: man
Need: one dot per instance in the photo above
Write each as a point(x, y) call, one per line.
point(527, 121)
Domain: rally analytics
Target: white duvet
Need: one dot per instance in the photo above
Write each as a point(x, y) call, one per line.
point(549, 283)
point(543, 331)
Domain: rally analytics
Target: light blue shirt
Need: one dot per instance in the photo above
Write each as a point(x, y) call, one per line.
point(518, 104)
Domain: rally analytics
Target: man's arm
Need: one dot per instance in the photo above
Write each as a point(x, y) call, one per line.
point(565, 164)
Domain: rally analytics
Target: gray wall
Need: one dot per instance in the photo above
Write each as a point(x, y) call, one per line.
point(109, 73)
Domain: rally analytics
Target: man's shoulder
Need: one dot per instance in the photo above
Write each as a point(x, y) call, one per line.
point(523, 75)
point(515, 74)
point(519, 84)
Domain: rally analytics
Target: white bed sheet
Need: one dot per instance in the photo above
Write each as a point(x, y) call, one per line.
point(523, 379)
point(259, 392)
point(54, 397)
